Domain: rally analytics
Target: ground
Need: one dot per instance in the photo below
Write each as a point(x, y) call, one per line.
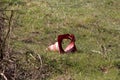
point(95, 24)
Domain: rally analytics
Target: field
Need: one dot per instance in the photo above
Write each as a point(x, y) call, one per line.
point(95, 24)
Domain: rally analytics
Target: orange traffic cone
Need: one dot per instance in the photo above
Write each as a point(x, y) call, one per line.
point(58, 45)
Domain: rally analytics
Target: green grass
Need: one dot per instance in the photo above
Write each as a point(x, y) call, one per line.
point(93, 22)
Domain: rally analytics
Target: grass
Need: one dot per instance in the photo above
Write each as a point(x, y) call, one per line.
point(94, 23)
